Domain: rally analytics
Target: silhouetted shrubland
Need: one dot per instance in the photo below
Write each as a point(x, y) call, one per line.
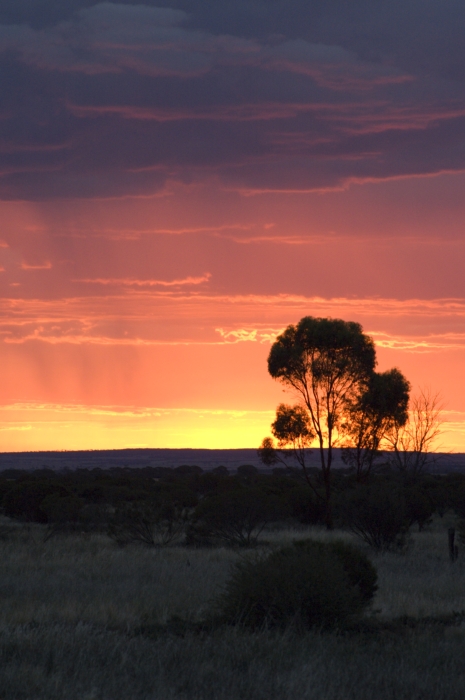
point(158, 505)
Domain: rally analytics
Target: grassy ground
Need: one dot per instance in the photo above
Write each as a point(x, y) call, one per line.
point(81, 618)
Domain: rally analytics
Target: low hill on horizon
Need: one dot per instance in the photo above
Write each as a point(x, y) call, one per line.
point(207, 459)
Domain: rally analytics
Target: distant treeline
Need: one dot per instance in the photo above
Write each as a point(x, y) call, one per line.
point(158, 506)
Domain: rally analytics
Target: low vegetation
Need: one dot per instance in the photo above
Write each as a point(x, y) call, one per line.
point(283, 609)
point(303, 585)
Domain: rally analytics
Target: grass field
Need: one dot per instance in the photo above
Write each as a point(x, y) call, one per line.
point(81, 618)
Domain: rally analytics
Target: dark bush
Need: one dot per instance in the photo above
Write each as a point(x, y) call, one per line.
point(220, 471)
point(63, 514)
point(420, 508)
point(457, 499)
point(62, 509)
point(234, 517)
point(23, 501)
point(358, 567)
point(305, 506)
point(377, 513)
point(247, 472)
point(437, 490)
point(187, 470)
point(149, 523)
point(309, 584)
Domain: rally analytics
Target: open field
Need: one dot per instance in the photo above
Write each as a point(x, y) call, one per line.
point(82, 618)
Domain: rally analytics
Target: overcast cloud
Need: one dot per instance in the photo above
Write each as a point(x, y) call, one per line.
point(107, 99)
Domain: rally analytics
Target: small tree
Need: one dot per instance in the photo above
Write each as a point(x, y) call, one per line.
point(373, 415)
point(412, 443)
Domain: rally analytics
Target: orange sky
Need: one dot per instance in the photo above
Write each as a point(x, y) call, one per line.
point(177, 186)
point(147, 322)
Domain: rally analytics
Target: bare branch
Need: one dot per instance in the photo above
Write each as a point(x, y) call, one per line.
point(413, 445)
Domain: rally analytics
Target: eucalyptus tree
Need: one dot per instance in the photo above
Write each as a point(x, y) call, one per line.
point(326, 363)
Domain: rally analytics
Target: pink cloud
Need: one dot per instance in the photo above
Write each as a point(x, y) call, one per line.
point(39, 266)
point(129, 282)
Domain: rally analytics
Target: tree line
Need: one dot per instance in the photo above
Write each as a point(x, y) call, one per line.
point(160, 507)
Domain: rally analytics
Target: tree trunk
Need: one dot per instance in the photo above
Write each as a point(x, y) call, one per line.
point(328, 501)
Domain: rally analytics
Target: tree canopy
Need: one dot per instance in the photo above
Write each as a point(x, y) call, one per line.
point(380, 408)
point(324, 361)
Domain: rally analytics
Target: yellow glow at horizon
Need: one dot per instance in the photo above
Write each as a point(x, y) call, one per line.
point(48, 427)
point(81, 428)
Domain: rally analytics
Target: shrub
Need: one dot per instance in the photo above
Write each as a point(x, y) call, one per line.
point(420, 508)
point(305, 506)
point(247, 472)
point(63, 513)
point(152, 524)
point(23, 500)
point(234, 517)
point(457, 499)
point(309, 584)
point(358, 567)
point(377, 513)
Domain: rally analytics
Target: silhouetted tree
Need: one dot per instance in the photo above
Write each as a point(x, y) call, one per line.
point(326, 363)
point(412, 442)
point(371, 417)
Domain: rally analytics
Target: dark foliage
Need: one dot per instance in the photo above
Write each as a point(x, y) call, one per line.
point(148, 523)
point(23, 500)
point(420, 508)
point(371, 416)
point(247, 472)
point(234, 517)
point(306, 507)
point(456, 493)
point(309, 584)
point(377, 513)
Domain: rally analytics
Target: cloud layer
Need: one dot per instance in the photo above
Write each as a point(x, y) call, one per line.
point(108, 99)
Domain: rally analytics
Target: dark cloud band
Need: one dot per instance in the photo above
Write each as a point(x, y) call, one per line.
point(107, 99)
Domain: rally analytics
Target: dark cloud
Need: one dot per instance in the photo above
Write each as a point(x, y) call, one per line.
point(107, 99)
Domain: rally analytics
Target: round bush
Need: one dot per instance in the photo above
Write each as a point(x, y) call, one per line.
point(308, 584)
point(359, 569)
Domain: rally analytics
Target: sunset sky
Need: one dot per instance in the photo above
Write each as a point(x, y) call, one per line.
point(181, 179)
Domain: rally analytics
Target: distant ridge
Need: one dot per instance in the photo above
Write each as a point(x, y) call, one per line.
point(164, 457)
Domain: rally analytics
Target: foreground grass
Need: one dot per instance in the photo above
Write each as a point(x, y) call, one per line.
point(81, 618)
point(84, 661)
